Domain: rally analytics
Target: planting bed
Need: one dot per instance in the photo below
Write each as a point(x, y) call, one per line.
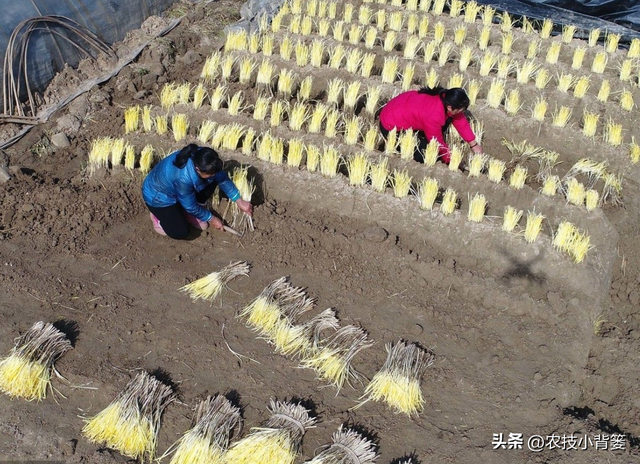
point(526, 340)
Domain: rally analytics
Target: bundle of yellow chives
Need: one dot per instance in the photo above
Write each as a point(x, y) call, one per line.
point(564, 235)
point(146, 158)
point(533, 227)
point(117, 152)
point(99, 153)
point(575, 191)
point(131, 118)
point(26, 371)
point(277, 441)
point(432, 152)
point(162, 125)
point(348, 446)
point(592, 199)
point(398, 382)
point(400, 183)
point(329, 161)
point(511, 218)
point(130, 156)
point(313, 158)
point(295, 152)
point(496, 170)
point(358, 166)
point(634, 151)
point(210, 286)
point(476, 164)
point(168, 95)
point(449, 201)
point(408, 141)
point(130, 424)
point(427, 193)
point(207, 441)
point(518, 177)
point(147, 120)
point(332, 360)
point(379, 175)
point(183, 93)
point(456, 157)
point(580, 245)
point(179, 126)
point(477, 207)
point(372, 134)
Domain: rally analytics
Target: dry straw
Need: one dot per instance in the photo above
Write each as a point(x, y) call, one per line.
point(277, 441)
point(26, 371)
point(130, 424)
point(207, 441)
point(211, 285)
point(347, 447)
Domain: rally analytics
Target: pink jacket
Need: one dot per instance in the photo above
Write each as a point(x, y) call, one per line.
point(419, 111)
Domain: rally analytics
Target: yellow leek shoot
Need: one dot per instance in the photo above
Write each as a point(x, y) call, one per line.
point(626, 70)
point(495, 171)
point(131, 119)
point(370, 37)
point(317, 117)
point(473, 91)
point(439, 31)
point(533, 227)
point(485, 38)
point(578, 57)
point(389, 70)
point(358, 166)
point(506, 23)
point(117, 152)
point(307, 25)
point(547, 28)
point(367, 63)
point(147, 120)
point(427, 193)
point(286, 48)
point(168, 95)
point(348, 12)
point(218, 97)
point(581, 87)
point(568, 31)
point(634, 151)
point(285, 83)
point(316, 53)
point(455, 80)
point(455, 8)
point(391, 142)
point(184, 93)
point(130, 424)
point(488, 12)
point(267, 44)
point(456, 157)
point(512, 103)
point(355, 33)
point(477, 208)
point(313, 158)
point(438, 7)
point(304, 90)
point(235, 103)
point(507, 42)
point(505, 66)
point(518, 177)
point(247, 66)
point(550, 186)
point(553, 52)
point(336, 55)
point(444, 53)
point(496, 93)
point(226, 67)
point(364, 15)
point(487, 62)
point(400, 183)
point(575, 192)
point(351, 96)
point(539, 109)
point(261, 108)
point(634, 49)
point(302, 54)
point(276, 155)
point(466, 56)
point(511, 218)
point(561, 116)
point(564, 236)
point(146, 158)
point(210, 286)
point(471, 11)
point(379, 173)
point(338, 31)
point(626, 100)
point(334, 91)
point(371, 138)
point(449, 202)
point(432, 152)
point(594, 36)
point(162, 125)
point(210, 69)
point(199, 94)
point(611, 42)
point(26, 371)
point(589, 123)
point(592, 199)
point(525, 71)
point(423, 27)
point(390, 41)
point(331, 126)
point(329, 162)
point(298, 116)
point(254, 43)
point(407, 142)
point(432, 78)
point(352, 127)
point(476, 164)
point(599, 63)
point(412, 24)
point(605, 90)
point(459, 34)
point(179, 126)
point(264, 147)
point(247, 142)
point(613, 133)
point(533, 49)
point(208, 439)
point(580, 246)
point(353, 60)
point(429, 51)
point(565, 81)
point(129, 156)
point(411, 47)
point(323, 27)
point(236, 40)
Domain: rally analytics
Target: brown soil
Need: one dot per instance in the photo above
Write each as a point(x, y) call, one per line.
point(526, 341)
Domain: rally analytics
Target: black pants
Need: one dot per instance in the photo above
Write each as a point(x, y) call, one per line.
point(418, 154)
point(172, 218)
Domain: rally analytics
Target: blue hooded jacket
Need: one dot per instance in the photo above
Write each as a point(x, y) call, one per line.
point(167, 185)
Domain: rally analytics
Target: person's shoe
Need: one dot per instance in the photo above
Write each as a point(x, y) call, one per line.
point(195, 222)
point(156, 225)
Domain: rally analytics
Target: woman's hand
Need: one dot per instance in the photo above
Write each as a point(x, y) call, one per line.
point(216, 223)
point(477, 148)
point(245, 206)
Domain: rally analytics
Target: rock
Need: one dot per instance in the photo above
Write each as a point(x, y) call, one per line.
point(190, 58)
point(60, 140)
point(68, 124)
point(98, 97)
point(141, 95)
point(4, 175)
point(375, 234)
point(148, 80)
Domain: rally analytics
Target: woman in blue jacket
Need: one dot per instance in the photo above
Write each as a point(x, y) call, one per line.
point(178, 186)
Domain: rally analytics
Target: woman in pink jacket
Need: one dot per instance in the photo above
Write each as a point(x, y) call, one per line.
point(429, 112)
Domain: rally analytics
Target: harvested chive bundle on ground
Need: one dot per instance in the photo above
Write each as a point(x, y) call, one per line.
point(348, 447)
point(332, 360)
point(26, 372)
point(398, 382)
point(277, 441)
point(210, 286)
point(208, 439)
point(130, 424)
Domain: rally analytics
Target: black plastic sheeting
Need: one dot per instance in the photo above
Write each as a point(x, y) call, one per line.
point(110, 20)
point(616, 16)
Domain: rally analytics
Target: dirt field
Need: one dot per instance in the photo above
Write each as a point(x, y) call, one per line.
point(526, 341)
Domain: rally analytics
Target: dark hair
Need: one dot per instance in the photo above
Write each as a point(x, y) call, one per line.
point(204, 158)
point(456, 98)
